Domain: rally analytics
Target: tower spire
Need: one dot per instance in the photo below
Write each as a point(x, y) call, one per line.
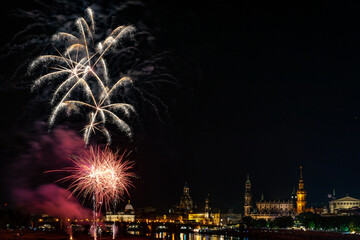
point(301, 195)
point(247, 205)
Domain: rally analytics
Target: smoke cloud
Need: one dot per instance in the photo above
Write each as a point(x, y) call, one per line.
point(32, 189)
point(50, 199)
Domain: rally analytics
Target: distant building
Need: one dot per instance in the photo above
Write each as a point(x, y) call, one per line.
point(316, 210)
point(207, 204)
point(301, 195)
point(212, 218)
point(208, 216)
point(128, 215)
point(186, 203)
point(283, 207)
point(270, 209)
point(230, 218)
point(343, 204)
point(248, 197)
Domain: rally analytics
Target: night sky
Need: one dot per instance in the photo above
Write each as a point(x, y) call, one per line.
point(261, 88)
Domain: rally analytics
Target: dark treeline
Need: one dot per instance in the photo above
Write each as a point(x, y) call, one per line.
point(339, 223)
point(309, 221)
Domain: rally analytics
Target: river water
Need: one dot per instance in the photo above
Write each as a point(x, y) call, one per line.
point(195, 236)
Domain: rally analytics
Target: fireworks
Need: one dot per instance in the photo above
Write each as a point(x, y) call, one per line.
point(80, 81)
point(83, 75)
point(100, 174)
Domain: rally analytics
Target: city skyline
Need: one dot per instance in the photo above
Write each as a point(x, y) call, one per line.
point(257, 89)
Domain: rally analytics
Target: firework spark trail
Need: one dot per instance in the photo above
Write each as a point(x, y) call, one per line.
point(99, 174)
point(102, 110)
point(46, 15)
point(82, 67)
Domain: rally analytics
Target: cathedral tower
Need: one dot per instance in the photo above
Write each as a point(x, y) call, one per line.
point(207, 204)
point(301, 195)
point(247, 205)
point(186, 203)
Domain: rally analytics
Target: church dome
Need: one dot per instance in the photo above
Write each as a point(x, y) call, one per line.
point(129, 207)
point(186, 202)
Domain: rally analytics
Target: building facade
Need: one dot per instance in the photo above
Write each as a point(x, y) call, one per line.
point(343, 204)
point(128, 215)
point(282, 207)
point(265, 209)
point(270, 209)
point(205, 218)
point(208, 216)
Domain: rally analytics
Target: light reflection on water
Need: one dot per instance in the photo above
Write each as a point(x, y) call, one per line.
point(195, 236)
point(134, 232)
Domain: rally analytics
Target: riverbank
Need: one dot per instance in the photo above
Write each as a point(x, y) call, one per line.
point(299, 235)
point(33, 235)
point(250, 235)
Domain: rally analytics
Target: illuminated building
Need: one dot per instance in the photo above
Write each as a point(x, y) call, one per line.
point(282, 207)
point(266, 209)
point(206, 217)
point(186, 203)
point(247, 205)
point(344, 204)
point(129, 208)
point(270, 209)
point(128, 215)
point(301, 195)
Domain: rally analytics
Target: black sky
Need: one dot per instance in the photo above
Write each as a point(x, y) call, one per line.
point(266, 87)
